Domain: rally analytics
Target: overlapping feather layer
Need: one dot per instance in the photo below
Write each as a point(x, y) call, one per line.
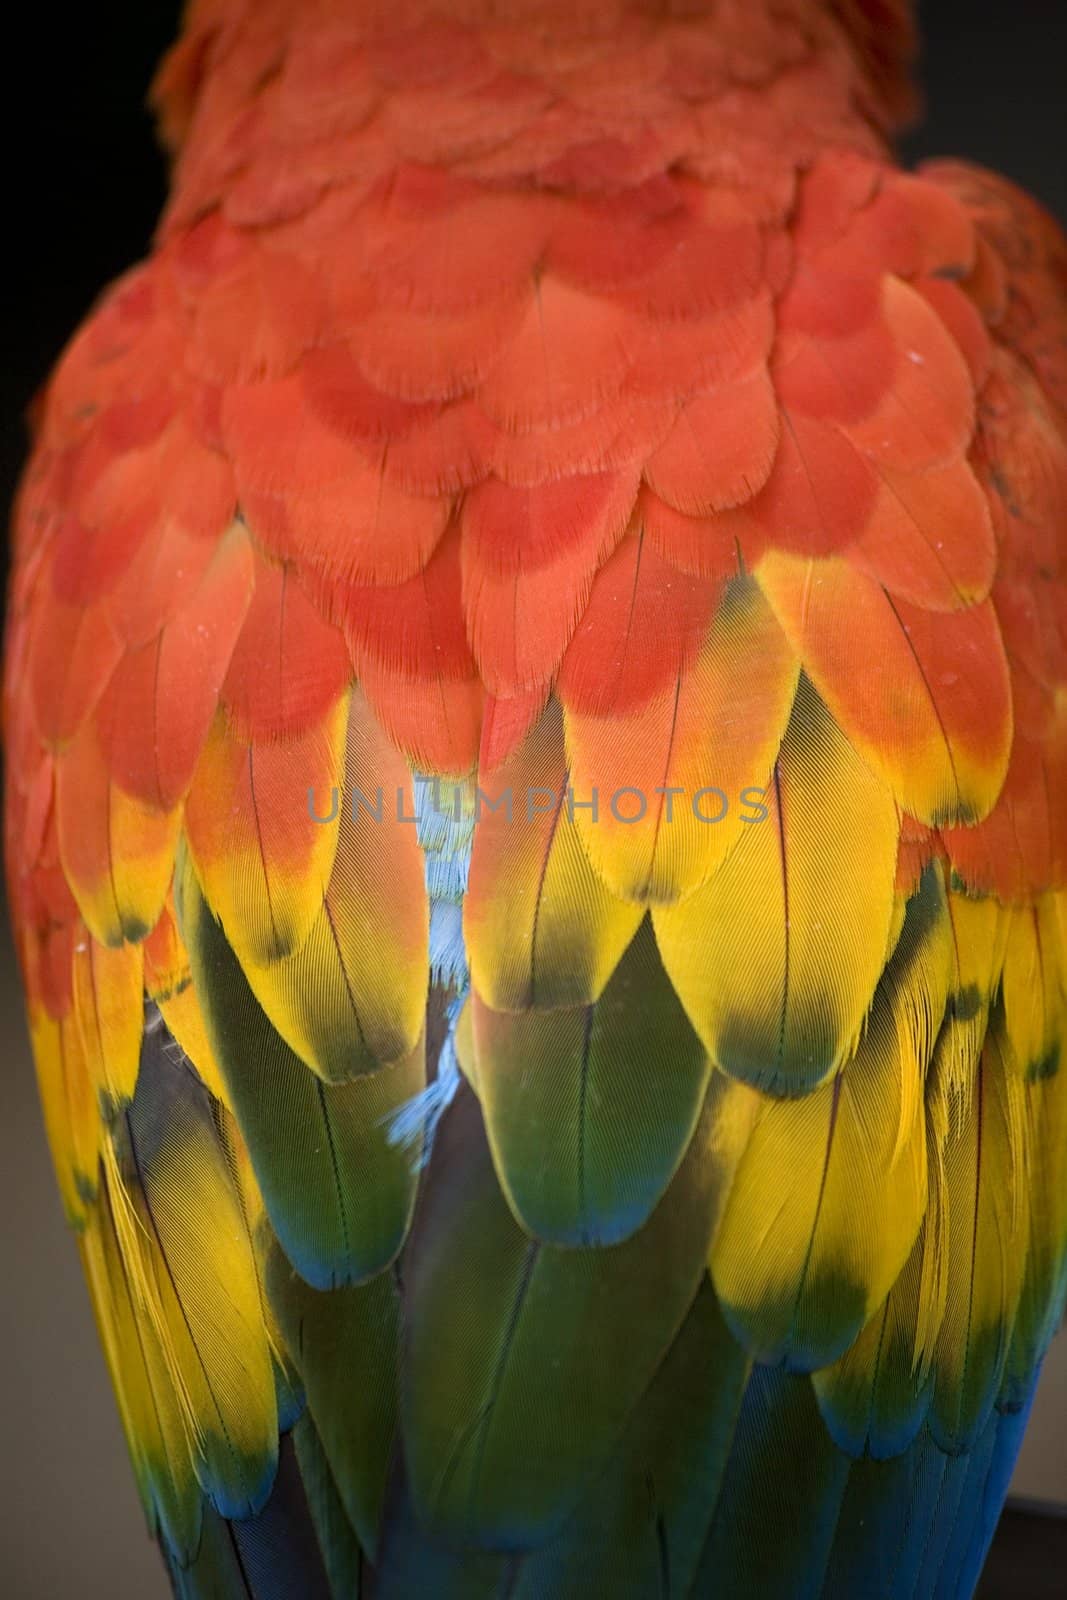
point(560, 1187)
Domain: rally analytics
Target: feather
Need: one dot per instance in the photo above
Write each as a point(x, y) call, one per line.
point(253, 309)
point(337, 1191)
point(986, 1203)
point(529, 559)
point(70, 1108)
point(117, 792)
point(507, 721)
point(641, 1530)
point(155, 715)
point(147, 1398)
point(555, 933)
point(435, 721)
point(821, 490)
point(944, 752)
point(874, 1398)
point(351, 996)
point(168, 981)
point(722, 262)
point(65, 681)
point(107, 994)
point(488, 245)
point(720, 450)
point(416, 1559)
point(567, 354)
point(774, 1522)
point(262, 857)
point(921, 1523)
point(268, 1556)
point(435, 355)
point(644, 624)
point(830, 1191)
point(926, 413)
point(1032, 987)
point(746, 952)
point(720, 546)
point(489, 1444)
point(330, 1335)
point(589, 1109)
point(930, 538)
point(306, 490)
point(117, 851)
point(1044, 1286)
point(288, 666)
point(188, 1257)
point(964, 322)
point(341, 1553)
point(1019, 847)
point(162, 577)
point(414, 664)
point(652, 781)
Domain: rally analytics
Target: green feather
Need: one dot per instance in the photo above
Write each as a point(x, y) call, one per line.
point(589, 1109)
point(344, 1345)
point(272, 1556)
point(339, 1193)
point(874, 1398)
point(414, 1560)
point(775, 1518)
point(523, 1361)
point(640, 1530)
point(345, 1562)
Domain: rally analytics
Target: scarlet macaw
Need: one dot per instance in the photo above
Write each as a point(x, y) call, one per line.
point(536, 714)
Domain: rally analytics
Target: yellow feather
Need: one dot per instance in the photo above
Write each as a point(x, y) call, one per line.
point(188, 1258)
point(830, 1191)
point(541, 928)
point(108, 987)
point(262, 859)
point(1033, 987)
point(117, 852)
point(713, 735)
point(69, 1104)
point(352, 996)
point(979, 935)
point(777, 957)
point(168, 981)
point(185, 1023)
point(148, 1402)
point(985, 1194)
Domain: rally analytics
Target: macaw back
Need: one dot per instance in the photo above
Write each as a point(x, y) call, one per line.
point(537, 809)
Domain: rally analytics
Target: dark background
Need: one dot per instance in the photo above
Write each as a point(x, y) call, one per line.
point(83, 185)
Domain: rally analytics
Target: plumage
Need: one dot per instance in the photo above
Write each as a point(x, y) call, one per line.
point(117, 852)
point(666, 790)
point(584, 1135)
point(261, 852)
point(337, 1190)
point(746, 952)
point(483, 1419)
point(555, 936)
point(535, 763)
point(107, 986)
point(796, 1276)
point(943, 749)
point(168, 1176)
point(985, 1205)
point(357, 1422)
point(350, 996)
